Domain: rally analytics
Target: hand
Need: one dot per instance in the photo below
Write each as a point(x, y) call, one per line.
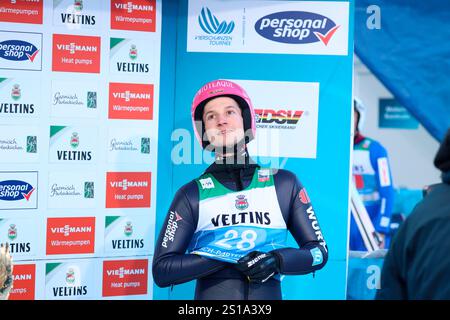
point(6, 269)
point(258, 266)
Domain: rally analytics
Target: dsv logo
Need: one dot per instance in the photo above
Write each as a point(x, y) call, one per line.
point(211, 25)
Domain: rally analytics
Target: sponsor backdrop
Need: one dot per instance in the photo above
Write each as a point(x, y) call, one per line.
point(79, 90)
point(295, 59)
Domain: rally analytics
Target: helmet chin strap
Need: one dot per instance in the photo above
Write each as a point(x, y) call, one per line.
point(237, 154)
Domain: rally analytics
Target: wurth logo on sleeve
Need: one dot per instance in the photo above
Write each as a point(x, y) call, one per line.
point(316, 227)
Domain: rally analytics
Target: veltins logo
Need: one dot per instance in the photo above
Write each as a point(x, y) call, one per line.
point(24, 277)
point(20, 235)
point(136, 15)
point(125, 277)
point(18, 190)
point(20, 50)
point(76, 53)
point(211, 25)
point(12, 232)
point(69, 280)
point(76, 13)
point(19, 97)
point(130, 56)
point(70, 235)
point(241, 203)
point(72, 144)
point(128, 189)
point(21, 11)
point(130, 101)
point(296, 27)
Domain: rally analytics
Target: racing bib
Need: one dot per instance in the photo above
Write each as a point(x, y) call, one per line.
point(233, 223)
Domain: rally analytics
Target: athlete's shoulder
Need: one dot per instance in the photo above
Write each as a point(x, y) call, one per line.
point(189, 190)
point(284, 176)
point(364, 144)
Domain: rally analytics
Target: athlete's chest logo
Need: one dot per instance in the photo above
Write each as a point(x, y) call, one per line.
point(241, 202)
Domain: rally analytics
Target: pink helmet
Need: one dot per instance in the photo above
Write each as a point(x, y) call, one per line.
point(220, 88)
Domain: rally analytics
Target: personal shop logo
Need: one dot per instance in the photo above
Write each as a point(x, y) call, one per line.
point(20, 50)
point(296, 27)
point(128, 189)
point(70, 235)
point(74, 53)
point(18, 190)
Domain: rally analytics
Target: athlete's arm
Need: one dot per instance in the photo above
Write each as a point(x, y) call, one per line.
point(303, 224)
point(171, 264)
point(380, 163)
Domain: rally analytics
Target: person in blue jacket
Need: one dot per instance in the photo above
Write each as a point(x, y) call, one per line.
point(227, 228)
point(373, 180)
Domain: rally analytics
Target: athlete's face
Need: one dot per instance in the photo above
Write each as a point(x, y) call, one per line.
point(223, 121)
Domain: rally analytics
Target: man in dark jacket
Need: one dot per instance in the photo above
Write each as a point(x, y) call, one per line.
point(417, 265)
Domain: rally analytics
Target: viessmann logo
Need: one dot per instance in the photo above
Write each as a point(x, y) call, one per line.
point(122, 272)
point(74, 48)
point(128, 189)
point(70, 235)
point(67, 230)
point(296, 27)
point(75, 53)
point(125, 277)
point(21, 11)
point(130, 101)
point(24, 282)
point(136, 15)
point(18, 50)
point(211, 25)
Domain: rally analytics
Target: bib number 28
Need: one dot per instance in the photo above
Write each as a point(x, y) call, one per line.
point(246, 240)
